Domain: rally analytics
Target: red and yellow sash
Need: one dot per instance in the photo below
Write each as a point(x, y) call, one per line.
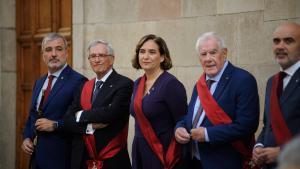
point(281, 131)
point(217, 116)
point(172, 156)
point(113, 147)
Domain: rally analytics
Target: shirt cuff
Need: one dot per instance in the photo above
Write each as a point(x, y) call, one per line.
point(206, 135)
point(258, 145)
point(78, 115)
point(89, 129)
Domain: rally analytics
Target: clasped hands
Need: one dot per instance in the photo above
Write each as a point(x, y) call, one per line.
point(44, 124)
point(182, 136)
point(266, 155)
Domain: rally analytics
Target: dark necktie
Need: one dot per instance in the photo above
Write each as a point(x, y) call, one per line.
point(97, 89)
point(282, 75)
point(47, 91)
point(209, 82)
point(44, 98)
point(197, 117)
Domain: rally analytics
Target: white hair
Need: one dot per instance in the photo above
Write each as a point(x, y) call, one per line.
point(206, 36)
point(100, 41)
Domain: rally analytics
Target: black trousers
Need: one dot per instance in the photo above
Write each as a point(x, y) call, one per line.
point(196, 164)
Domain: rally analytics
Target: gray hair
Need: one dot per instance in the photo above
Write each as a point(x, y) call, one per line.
point(290, 156)
point(208, 35)
point(99, 41)
point(53, 36)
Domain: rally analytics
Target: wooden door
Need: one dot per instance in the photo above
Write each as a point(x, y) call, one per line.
point(34, 19)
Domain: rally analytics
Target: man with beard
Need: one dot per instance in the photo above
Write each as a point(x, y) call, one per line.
point(282, 108)
point(52, 94)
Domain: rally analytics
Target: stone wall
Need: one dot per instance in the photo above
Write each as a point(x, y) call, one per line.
point(7, 84)
point(247, 27)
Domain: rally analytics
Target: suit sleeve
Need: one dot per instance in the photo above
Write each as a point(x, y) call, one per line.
point(175, 96)
point(68, 122)
point(261, 136)
point(184, 120)
point(245, 102)
point(116, 109)
point(29, 125)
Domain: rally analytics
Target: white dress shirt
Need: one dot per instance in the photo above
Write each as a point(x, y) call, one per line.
point(89, 128)
point(56, 75)
point(197, 104)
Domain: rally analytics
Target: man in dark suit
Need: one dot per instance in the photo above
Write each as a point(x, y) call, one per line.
point(52, 94)
point(100, 113)
point(223, 112)
point(282, 98)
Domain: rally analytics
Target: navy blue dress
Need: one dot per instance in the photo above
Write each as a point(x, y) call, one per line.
point(164, 105)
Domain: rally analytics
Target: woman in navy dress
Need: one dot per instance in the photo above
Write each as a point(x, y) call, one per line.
point(163, 102)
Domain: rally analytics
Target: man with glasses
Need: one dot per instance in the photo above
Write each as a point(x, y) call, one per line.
point(52, 94)
point(100, 113)
point(223, 112)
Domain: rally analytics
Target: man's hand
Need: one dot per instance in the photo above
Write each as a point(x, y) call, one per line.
point(265, 155)
point(99, 125)
point(198, 134)
point(270, 154)
point(257, 157)
point(182, 136)
point(44, 124)
point(27, 146)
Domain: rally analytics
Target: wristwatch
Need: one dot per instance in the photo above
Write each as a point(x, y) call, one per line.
point(55, 125)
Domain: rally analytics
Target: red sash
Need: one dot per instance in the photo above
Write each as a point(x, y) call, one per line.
point(217, 116)
point(113, 147)
point(281, 131)
point(172, 156)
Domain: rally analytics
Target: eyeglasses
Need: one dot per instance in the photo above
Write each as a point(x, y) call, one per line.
point(94, 57)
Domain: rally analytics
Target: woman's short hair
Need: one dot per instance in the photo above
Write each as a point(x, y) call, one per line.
point(163, 50)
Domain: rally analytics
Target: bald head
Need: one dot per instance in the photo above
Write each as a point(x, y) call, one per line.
point(288, 26)
point(286, 44)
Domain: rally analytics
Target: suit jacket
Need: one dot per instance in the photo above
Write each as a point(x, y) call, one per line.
point(237, 95)
point(111, 107)
point(290, 107)
point(53, 150)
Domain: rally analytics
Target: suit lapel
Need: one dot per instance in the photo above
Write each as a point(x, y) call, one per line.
point(38, 88)
point(223, 81)
point(218, 92)
point(191, 108)
point(293, 83)
point(61, 80)
point(107, 87)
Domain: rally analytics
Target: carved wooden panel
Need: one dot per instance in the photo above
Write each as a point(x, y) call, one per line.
point(34, 19)
point(43, 15)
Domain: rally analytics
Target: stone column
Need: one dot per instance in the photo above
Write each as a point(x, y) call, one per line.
point(8, 83)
